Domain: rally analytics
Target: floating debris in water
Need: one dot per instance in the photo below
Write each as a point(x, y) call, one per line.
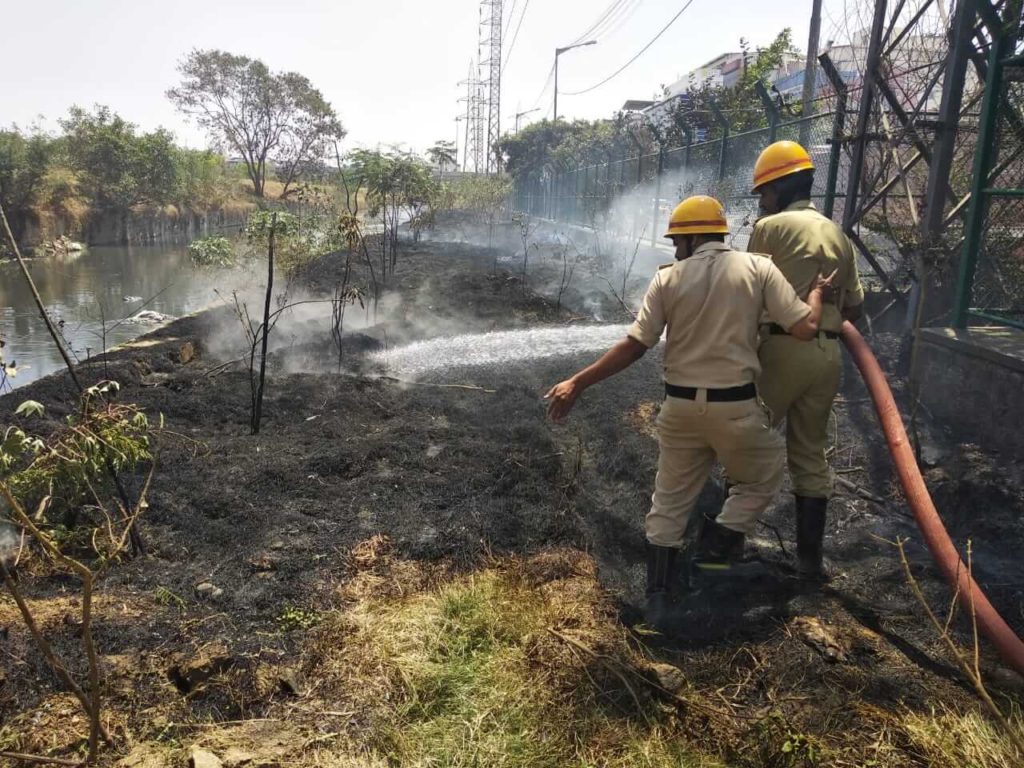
point(148, 316)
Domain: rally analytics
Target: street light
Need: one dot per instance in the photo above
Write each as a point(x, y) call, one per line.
point(559, 52)
point(520, 114)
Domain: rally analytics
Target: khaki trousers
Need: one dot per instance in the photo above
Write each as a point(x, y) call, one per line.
point(691, 434)
point(799, 381)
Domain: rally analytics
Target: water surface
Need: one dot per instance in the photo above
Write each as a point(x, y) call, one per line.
point(88, 292)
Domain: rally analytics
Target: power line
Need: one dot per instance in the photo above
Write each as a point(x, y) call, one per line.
point(547, 84)
point(640, 53)
point(508, 23)
point(599, 21)
point(515, 36)
point(614, 26)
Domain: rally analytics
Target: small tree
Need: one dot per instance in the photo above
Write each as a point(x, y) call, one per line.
point(261, 115)
point(65, 471)
point(442, 154)
point(398, 187)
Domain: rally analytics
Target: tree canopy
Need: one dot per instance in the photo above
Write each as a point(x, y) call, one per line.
point(266, 117)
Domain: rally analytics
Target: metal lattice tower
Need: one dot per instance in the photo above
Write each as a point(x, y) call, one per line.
point(491, 12)
point(474, 156)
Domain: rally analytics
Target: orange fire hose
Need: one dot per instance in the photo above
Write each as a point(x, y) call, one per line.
point(991, 624)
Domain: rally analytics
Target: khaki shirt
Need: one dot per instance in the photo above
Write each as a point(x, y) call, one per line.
point(712, 304)
point(803, 243)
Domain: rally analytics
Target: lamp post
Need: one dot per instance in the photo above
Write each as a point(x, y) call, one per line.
point(520, 114)
point(559, 52)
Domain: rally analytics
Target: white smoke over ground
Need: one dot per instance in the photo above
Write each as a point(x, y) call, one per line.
point(613, 258)
point(302, 315)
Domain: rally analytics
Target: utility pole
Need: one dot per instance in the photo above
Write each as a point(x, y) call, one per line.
point(520, 114)
point(559, 52)
point(810, 72)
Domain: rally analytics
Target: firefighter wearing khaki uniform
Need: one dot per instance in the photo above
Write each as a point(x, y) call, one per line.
point(799, 381)
point(711, 301)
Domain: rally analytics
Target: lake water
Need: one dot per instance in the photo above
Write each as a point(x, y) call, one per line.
point(89, 290)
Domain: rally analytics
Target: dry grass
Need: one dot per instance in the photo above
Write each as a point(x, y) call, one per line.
point(522, 662)
point(948, 739)
point(642, 418)
point(464, 670)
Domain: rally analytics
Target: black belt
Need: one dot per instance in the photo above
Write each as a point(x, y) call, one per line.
point(727, 395)
point(777, 330)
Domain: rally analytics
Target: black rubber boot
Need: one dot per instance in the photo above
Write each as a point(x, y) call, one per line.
point(810, 536)
point(719, 548)
point(661, 575)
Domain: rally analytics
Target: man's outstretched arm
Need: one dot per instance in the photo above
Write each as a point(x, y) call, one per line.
point(563, 395)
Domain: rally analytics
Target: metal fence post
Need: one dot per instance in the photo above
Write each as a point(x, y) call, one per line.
point(725, 139)
point(622, 171)
point(688, 130)
point(838, 126)
point(657, 193)
point(770, 110)
point(982, 166)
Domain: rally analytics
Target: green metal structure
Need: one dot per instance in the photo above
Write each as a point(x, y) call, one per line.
point(991, 279)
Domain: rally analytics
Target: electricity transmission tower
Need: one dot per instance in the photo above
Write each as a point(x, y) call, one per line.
point(474, 154)
point(491, 12)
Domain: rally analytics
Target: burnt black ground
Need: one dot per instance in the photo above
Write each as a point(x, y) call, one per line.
point(455, 473)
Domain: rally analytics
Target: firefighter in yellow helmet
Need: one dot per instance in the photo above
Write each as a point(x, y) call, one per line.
point(799, 381)
point(711, 301)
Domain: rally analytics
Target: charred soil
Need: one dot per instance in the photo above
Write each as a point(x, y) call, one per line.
point(364, 491)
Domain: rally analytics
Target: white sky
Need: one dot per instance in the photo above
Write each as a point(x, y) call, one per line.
point(389, 67)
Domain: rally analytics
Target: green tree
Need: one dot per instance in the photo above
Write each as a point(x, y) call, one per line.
point(24, 161)
point(265, 117)
point(443, 153)
point(528, 151)
point(201, 178)
point(117, 167)
point(399, 186)
point(740, 102)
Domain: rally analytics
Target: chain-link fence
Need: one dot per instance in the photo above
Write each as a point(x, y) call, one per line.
point(991, 284)
point(634, 195)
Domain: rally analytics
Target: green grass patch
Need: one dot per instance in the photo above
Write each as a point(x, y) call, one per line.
point(467, 673)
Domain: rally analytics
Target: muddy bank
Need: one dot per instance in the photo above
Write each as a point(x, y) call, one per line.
point(460, 466)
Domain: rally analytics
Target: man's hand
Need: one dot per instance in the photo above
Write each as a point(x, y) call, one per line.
point(824, 284)
point(562, 396)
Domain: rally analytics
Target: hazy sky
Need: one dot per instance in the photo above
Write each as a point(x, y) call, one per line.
point(389, 67)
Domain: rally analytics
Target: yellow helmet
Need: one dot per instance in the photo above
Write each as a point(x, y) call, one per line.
point(698, 215)
point(780, 159)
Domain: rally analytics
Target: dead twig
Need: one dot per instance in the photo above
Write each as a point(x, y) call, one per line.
point(224, 722)
point(577, 647)
point(39, 759)
point(970, 667)
point(864, 493)
point(610, 662)
point(472, 387)
point(778, 536)
point(618, 298)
